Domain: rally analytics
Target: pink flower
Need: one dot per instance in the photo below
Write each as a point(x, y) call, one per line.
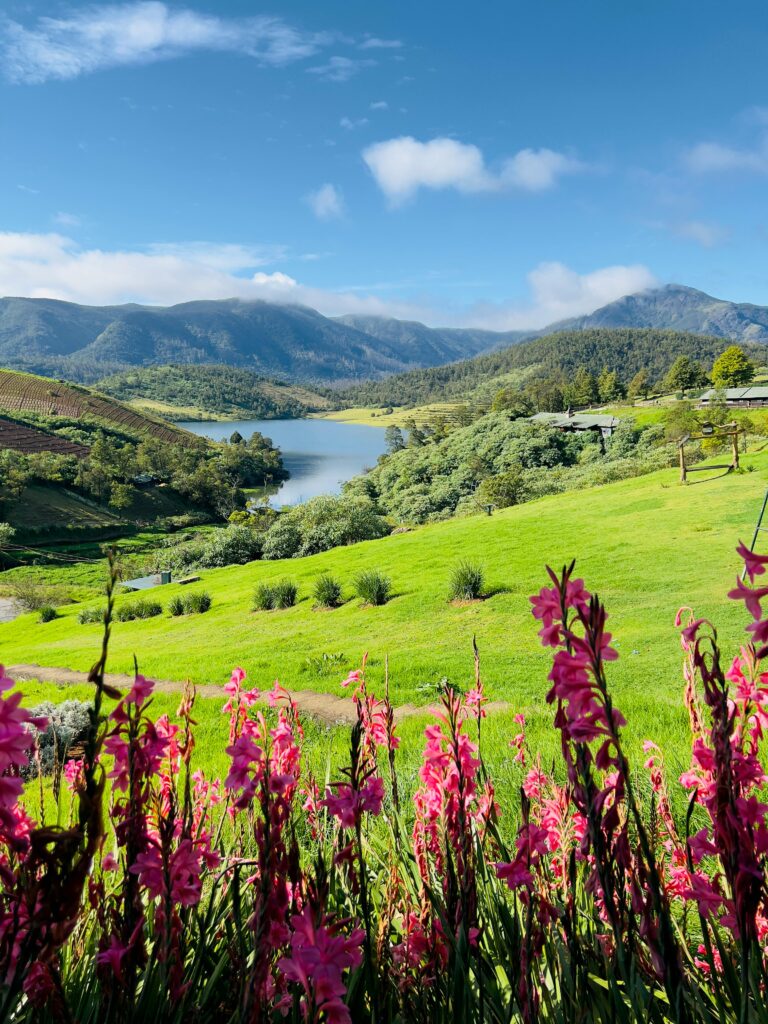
point(348, 805)
point(319, 957)
point(112, 956)
point(754, 564)
point(354, 677)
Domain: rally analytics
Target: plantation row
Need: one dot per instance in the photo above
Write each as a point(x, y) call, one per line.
point(21, 392)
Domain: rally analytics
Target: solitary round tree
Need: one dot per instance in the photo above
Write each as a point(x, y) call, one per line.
point(732, 369)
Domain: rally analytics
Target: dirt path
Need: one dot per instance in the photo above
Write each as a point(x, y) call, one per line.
point(326, 707)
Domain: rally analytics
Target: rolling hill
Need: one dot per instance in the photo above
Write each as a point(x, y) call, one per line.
point(23, 393)
point(625, 350)
point(202, 392)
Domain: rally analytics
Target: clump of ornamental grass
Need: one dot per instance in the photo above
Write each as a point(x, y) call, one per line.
point(264, 597)
point(141, 609)
point(285, 592)
point(197, 602)
point(466, 581)
point(176, 605)
point(47, 614)
point(373, 587)
point(276, 595)
point(327, 591)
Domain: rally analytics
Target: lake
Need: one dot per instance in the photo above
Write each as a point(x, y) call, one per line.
point(319, 454)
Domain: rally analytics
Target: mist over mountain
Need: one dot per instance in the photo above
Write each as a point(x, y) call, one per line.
point(298, 343)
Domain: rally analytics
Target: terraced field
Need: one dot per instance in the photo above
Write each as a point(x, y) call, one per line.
point(26, 392)
point(22, 438)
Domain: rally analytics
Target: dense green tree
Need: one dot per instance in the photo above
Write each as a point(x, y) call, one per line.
point(121, 496)
point(582, 391)
point(236, 437)
point(732, 369)
point(502, 489)
point(683, 374)
point(7, 533)
point(512, 401)
point(638, 386)
point(393, 439)
point(608, 389)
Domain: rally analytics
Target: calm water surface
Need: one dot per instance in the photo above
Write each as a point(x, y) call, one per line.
point(319, 454)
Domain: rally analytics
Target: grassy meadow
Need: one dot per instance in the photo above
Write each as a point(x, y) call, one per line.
point(646, 545)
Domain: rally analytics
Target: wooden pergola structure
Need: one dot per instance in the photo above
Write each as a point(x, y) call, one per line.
point(709, 432)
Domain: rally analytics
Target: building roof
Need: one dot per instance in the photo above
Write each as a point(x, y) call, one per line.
point(577, 421)
point(750, 394)
point(147, 582)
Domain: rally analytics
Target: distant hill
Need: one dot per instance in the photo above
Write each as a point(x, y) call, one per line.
point(299, 344)
point(676, 307)
point(192, 391)
point(289, 342)
point(625, 350)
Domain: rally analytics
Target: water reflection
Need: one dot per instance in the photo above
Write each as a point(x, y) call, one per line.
point(320, 454)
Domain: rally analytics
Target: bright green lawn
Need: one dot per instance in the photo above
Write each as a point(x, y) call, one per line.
point(646, 545)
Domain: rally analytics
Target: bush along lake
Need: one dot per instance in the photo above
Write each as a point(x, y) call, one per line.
point(319, 454)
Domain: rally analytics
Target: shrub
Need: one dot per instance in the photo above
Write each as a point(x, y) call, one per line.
point(327, 591)
point(87, 616)
point(47, 614)
point(141, 609)
point(67, 727)
point(264, 598)
point(373, 587)
point(466, 582)
point(323, 523)
point(234, 545)
point(176, 605)
point(285, 592)
point(197, 603)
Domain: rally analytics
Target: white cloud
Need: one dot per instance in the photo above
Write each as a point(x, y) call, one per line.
point(702, 232)
point(404, 165)
point(30, 191)
point(712, 157)
point(220, 256)
point(94, 38)
point(66, 220)
point(380, 105)
point(372, 43)
point(54, 266)
point(327, 202)
point(350, 124)
point(340, 69)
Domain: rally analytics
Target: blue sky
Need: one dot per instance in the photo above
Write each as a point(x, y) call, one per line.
point(500, 164)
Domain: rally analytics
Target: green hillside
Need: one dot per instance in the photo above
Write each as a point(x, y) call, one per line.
point(211, 392)
point(42, 398)
point(646, 545)
point(625, 350)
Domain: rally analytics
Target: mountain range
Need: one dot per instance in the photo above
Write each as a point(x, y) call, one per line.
point(297, 343)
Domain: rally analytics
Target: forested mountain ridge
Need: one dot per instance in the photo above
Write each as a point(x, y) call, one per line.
point(212, 390)
point(299, 344)
point(625, 350)
point(290, 342)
